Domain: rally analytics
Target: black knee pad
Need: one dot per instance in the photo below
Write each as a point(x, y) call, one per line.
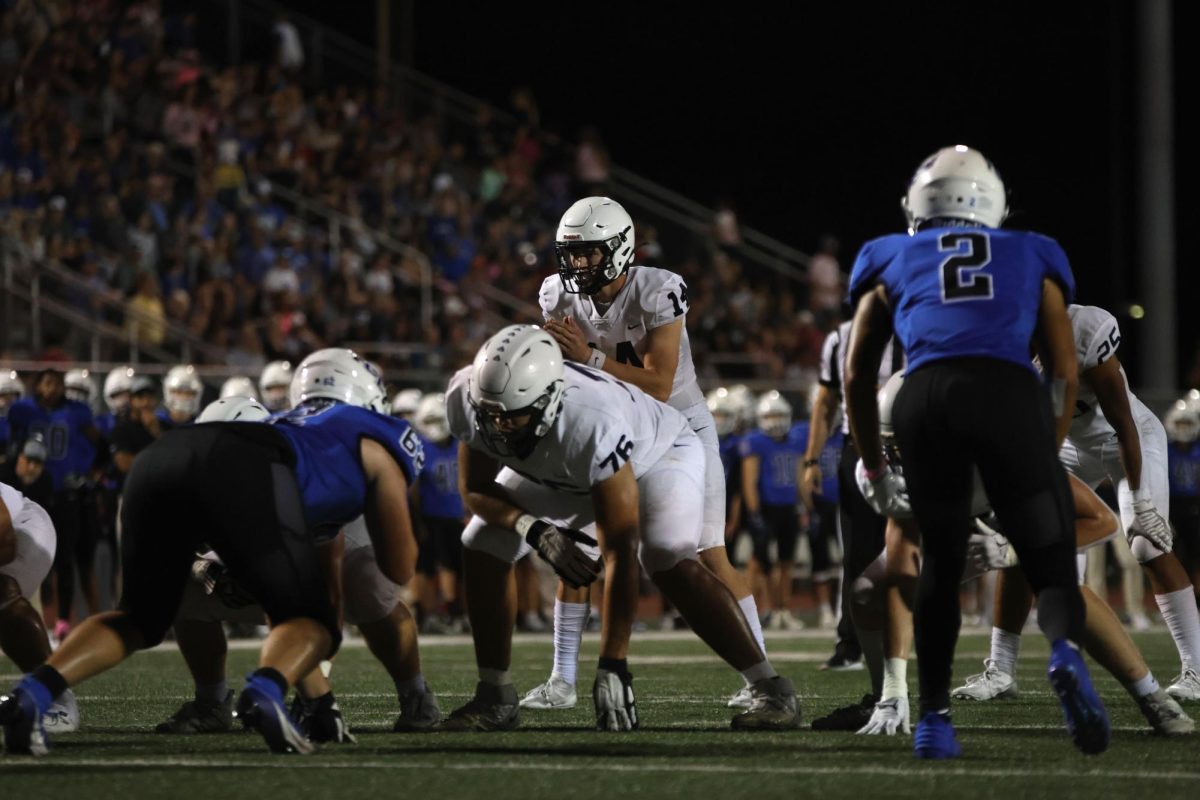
point(135, 633)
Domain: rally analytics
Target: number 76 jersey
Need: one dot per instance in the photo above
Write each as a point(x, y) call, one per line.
point(959, 292)
point(602, 424)
point(650, 298)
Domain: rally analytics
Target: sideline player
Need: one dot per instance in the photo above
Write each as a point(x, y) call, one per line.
point(264, 529)
point(552, 454)
point(965, 299)
point(629, 321)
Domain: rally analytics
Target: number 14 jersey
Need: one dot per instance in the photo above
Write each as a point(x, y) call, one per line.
point(650, 298)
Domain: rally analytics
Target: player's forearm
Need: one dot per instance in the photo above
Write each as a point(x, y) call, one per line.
point(1131, 452)
point(651, 381)
point(493, 507)
point(818, 435)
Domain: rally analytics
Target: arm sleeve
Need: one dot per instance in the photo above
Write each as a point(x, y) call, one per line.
point(667, 302)
point(605, 449)
point(1098, 336)
point(548, 296)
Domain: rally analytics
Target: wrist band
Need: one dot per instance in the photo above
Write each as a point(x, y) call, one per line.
point(597, 359)
point(524, 523)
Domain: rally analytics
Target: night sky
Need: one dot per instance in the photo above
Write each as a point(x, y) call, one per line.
point(811, 118)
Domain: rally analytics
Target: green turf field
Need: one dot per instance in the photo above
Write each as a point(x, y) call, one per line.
point(1014, 749)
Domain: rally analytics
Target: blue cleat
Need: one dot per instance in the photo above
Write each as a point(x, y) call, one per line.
point(935, 737)
point(1087, 720)
point(260, 707)
point(23, 731)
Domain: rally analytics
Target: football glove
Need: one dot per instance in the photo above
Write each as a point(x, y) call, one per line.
point(612, 694)
point(1151, 524)
point(987, 548)
point(886, 494)
point(217, 582)
point(558, 547)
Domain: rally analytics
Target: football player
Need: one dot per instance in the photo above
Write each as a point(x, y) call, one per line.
point(1183, 429)
point(1115, 437)
point(276, 503)
point(552, 455)
point(965, 298)
point(117, 386)
point(239, 386)
point(182, 394)
point(274, 384)
point(629, 321)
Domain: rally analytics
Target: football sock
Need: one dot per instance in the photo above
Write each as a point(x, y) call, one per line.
point(618, 665)
point(750, 609)
point(409, 685)
point(1143, 686)
point(760, 671)
point(871, 643)
point(1178, 610)
point(496, 677)
point(212, 693)
point(268, 678)
point(1006, 647)
point(51, 678)
point(895, 678)
point(569, 621)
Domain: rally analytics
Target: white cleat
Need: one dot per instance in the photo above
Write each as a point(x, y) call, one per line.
point(889, 718)
point(553, 695)
point(991, 684)
point(1186, 687)
point(1164, 714)
point(1138, 621)
point(63, 715)
point(741, 699)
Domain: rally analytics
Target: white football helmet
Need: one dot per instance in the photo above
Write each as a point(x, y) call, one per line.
point(598, 231)
point(744, 403)
point(724, 410)
point(238, 386)
point(117, 385)
point(517, 374)
point(12, 388)
point(405, 403)
point(79, 386)
point(431, 420)
point(339, 374)
point(182, 390)
point(774, 414)
point(1183, 422)
point(235, 408)
point(274, 385)
point(955, 183)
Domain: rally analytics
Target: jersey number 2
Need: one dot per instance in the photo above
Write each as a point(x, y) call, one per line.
point(961, 278)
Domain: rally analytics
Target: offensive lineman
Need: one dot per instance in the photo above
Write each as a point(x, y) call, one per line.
point(629, 321)
point(552, 452)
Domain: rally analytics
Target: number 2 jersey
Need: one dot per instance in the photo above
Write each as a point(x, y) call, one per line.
point(1097, 338)
point(326, 436)
point(649, 299)
point(959, 292)
point(603, 422)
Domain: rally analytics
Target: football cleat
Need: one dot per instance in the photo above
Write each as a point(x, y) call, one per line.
point(555, 694)
point(773, 707)
point(1186, 687)
point(260, 707)
point(840, 661)
point(889, 718)
point(935, 737)
point(22, 725)
point(493, 708)
point(740, 698)
point(847, 718)
point(1086, 717)
point(991, 684)
point(321, 720)
point(199, 716)
point(63, 714)
point(1165, 715)
point(419, 712)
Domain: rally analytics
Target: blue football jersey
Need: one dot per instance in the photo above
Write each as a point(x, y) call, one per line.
point(959, 292)
point(326, 436)
point(1184, 468)
point(438, 484)
point(105, 423)
point(778, 460)
point(69, 452)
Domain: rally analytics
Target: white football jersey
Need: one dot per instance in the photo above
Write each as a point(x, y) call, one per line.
point(833, 364)
point(650, 298)
point(13, 499)
point(603, 423)
point(1097, 337)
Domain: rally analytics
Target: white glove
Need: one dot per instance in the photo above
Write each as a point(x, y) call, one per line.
point(612, 694)
point(987, 550)
point(886, 495)
point(889, 718)
point(1151, 524)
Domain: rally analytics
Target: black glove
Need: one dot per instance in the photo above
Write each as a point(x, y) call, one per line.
point(557, 546)
point(216, 580)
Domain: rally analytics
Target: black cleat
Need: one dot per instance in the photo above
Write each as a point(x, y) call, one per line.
point(847, 718)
